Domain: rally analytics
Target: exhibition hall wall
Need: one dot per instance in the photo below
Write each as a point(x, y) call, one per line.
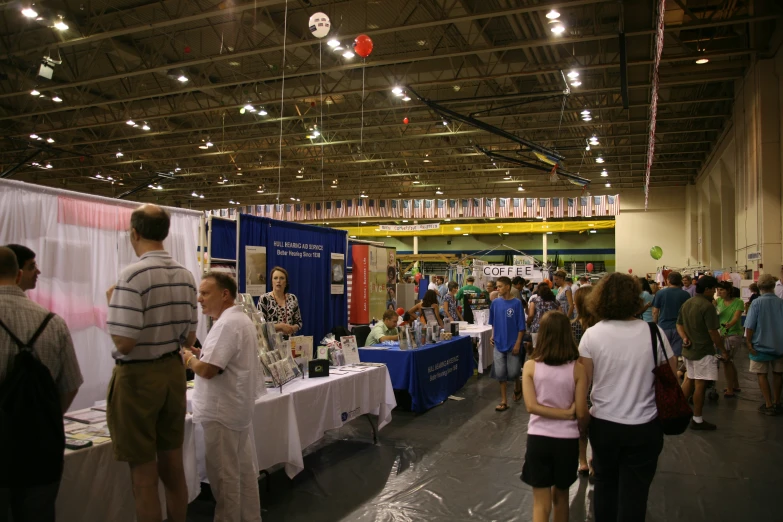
point(735, 207)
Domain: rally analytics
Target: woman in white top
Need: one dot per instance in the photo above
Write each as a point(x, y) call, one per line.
point(624, 431)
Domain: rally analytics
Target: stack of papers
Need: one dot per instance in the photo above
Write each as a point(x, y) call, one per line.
point(87, 416)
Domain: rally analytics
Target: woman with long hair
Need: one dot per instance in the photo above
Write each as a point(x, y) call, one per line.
point(584, 320)
point(429, 302)
point(647, 300)
point(555, 391)
point(625, 434)
point(542, 302)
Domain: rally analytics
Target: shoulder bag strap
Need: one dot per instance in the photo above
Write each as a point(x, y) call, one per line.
point(14, 338)
point(655, 336)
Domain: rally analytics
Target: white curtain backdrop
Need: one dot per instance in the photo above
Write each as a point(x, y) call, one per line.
point(81, 243)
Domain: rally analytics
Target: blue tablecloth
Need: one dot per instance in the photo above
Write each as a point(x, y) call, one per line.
point(430, 374)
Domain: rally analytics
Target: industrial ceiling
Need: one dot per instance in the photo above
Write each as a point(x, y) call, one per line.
point(196, 103)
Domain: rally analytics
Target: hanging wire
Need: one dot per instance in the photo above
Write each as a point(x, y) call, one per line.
point(323, 136)
point(361, 142)
point(282, 101)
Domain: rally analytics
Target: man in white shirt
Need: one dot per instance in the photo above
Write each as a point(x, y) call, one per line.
point(224, 398)
point(779, 285)
point(433, 285)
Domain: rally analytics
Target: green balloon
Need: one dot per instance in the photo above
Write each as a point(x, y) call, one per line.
point(656, 252)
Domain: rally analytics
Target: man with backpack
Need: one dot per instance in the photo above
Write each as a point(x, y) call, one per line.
point(39, 378)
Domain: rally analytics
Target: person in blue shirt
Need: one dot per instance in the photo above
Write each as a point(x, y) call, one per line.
point(764, 338)
point(507, 319)
point(666, 307)
point(646, 313)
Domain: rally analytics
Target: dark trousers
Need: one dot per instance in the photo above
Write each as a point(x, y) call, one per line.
point(625, 458)
point(34, 504)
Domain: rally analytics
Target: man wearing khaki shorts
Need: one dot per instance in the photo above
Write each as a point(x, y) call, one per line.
point(153, 312)
point(698, 326)
point(764, 338)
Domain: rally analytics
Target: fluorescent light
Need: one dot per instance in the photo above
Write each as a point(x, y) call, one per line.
point(203, 147)
point(194, 194)
point(208, 143)
point(201, 196)
point(604, 174)
point(404, 220)
point(457, 228)
point(348, 54)
point(608, 185)
point(406, 98)
point(520, 188)
point(130, 122)
point(364, 196)
point(507, 178)
point(593, 231)
point(34, 92)
point(334, 186)
point(427, 161)
point(587, 118)
point(48, 165)
point(49, 140)
point(316, 133)
point(445, 123)
point(333, 43)
point(338, 48)
point(262, 112)
point(465, 234)
point(60, 25)
point(364, 222)
point(260, 191)
point(119, 154)
point(505, 233)
point(353, 237)
point(438, 191)
point(56, 98)
point(145, 126)
point(293, 199)
point(249, 107)
point(573, 75)
point(99, 176)
point(585, 112)
point(29, 12)
point(416, 181)
point(447, 219)
point(299, 176)
point(33, 136)
point(599, 159)
point(553, 15)
point(702, 61)
point(397, 90)
point(576, 83)
point(182, 78)
point(558, 30)
point(549, 233)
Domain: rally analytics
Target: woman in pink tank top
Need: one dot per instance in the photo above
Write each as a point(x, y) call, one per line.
point(555, 391)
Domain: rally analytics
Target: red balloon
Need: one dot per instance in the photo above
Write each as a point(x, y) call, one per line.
point(630, 270)
point(401, 311)
point(362, 45)
point(405, 120)
point(417, 277)
point(589, 267)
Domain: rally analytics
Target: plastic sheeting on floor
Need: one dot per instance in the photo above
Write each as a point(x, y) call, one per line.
point(461, 461)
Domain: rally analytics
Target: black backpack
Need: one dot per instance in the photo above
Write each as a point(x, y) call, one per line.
point(32, 436)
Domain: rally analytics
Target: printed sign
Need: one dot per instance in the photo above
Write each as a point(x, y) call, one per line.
point(528, 272)
point(409, 228)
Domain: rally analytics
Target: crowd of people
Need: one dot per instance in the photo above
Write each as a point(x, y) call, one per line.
point(597, 345)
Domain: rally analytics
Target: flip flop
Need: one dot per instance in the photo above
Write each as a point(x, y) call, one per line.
point(517, 398)
point(501, 407)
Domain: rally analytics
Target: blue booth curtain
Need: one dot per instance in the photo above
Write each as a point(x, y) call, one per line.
point(224, 239)
point(309, 276)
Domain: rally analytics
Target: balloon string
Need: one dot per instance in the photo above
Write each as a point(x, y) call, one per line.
point(323, 136)
point(361, 132)
point(282, 101)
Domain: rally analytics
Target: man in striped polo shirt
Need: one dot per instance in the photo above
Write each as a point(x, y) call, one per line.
point(153, 312)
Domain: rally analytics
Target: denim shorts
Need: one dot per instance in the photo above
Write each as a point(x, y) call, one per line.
point(506, 367)
point(675, 341)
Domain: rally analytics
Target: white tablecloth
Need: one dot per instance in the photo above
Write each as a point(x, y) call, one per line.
point(96, 488)
point(485, 348)
point(285, 425)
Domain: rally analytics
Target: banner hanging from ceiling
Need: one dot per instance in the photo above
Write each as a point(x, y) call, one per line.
point(409, 228)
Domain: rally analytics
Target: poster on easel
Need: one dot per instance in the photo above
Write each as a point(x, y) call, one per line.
point(255, 273)
point(338, 273)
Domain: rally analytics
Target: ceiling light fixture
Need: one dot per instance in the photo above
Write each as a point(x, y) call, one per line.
point(33, 136)
point(130, 122)
point(49, 140)
point(553, 15)
point(447, 219)
point(593, 140)
point(48, 165)
point(593, 231)
point(457, 228)
point(587, 118)
point(445, 122)
point(398, 91)
point(99, 176)
point(438, 191)
point(348, 54)
point(608, 185)
point(333, 42)
point(465, 234)
point(573, 75)
point(406, 98)
point(404, 220)
point(599, 159)
point(29, 12)
point(60, 25)
point(338, 48)
point(416, 181)
point(576, 83)
point(604, 174)
point(363, 195)
point(262, 112)
point(145, 126)
point(520, 188)
point(585, 112)
point(182, 78)
point(194, 194)
point(56, 99)
point(702, 61)
point(119, 154)
point(34, 92)
point(558, 29)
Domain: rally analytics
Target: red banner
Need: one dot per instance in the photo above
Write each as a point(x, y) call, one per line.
point(360, 285)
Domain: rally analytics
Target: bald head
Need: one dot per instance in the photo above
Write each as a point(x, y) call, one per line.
point(9, 266)
point(151, 222)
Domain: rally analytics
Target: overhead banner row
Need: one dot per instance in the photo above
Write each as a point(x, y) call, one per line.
point(531, 208)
